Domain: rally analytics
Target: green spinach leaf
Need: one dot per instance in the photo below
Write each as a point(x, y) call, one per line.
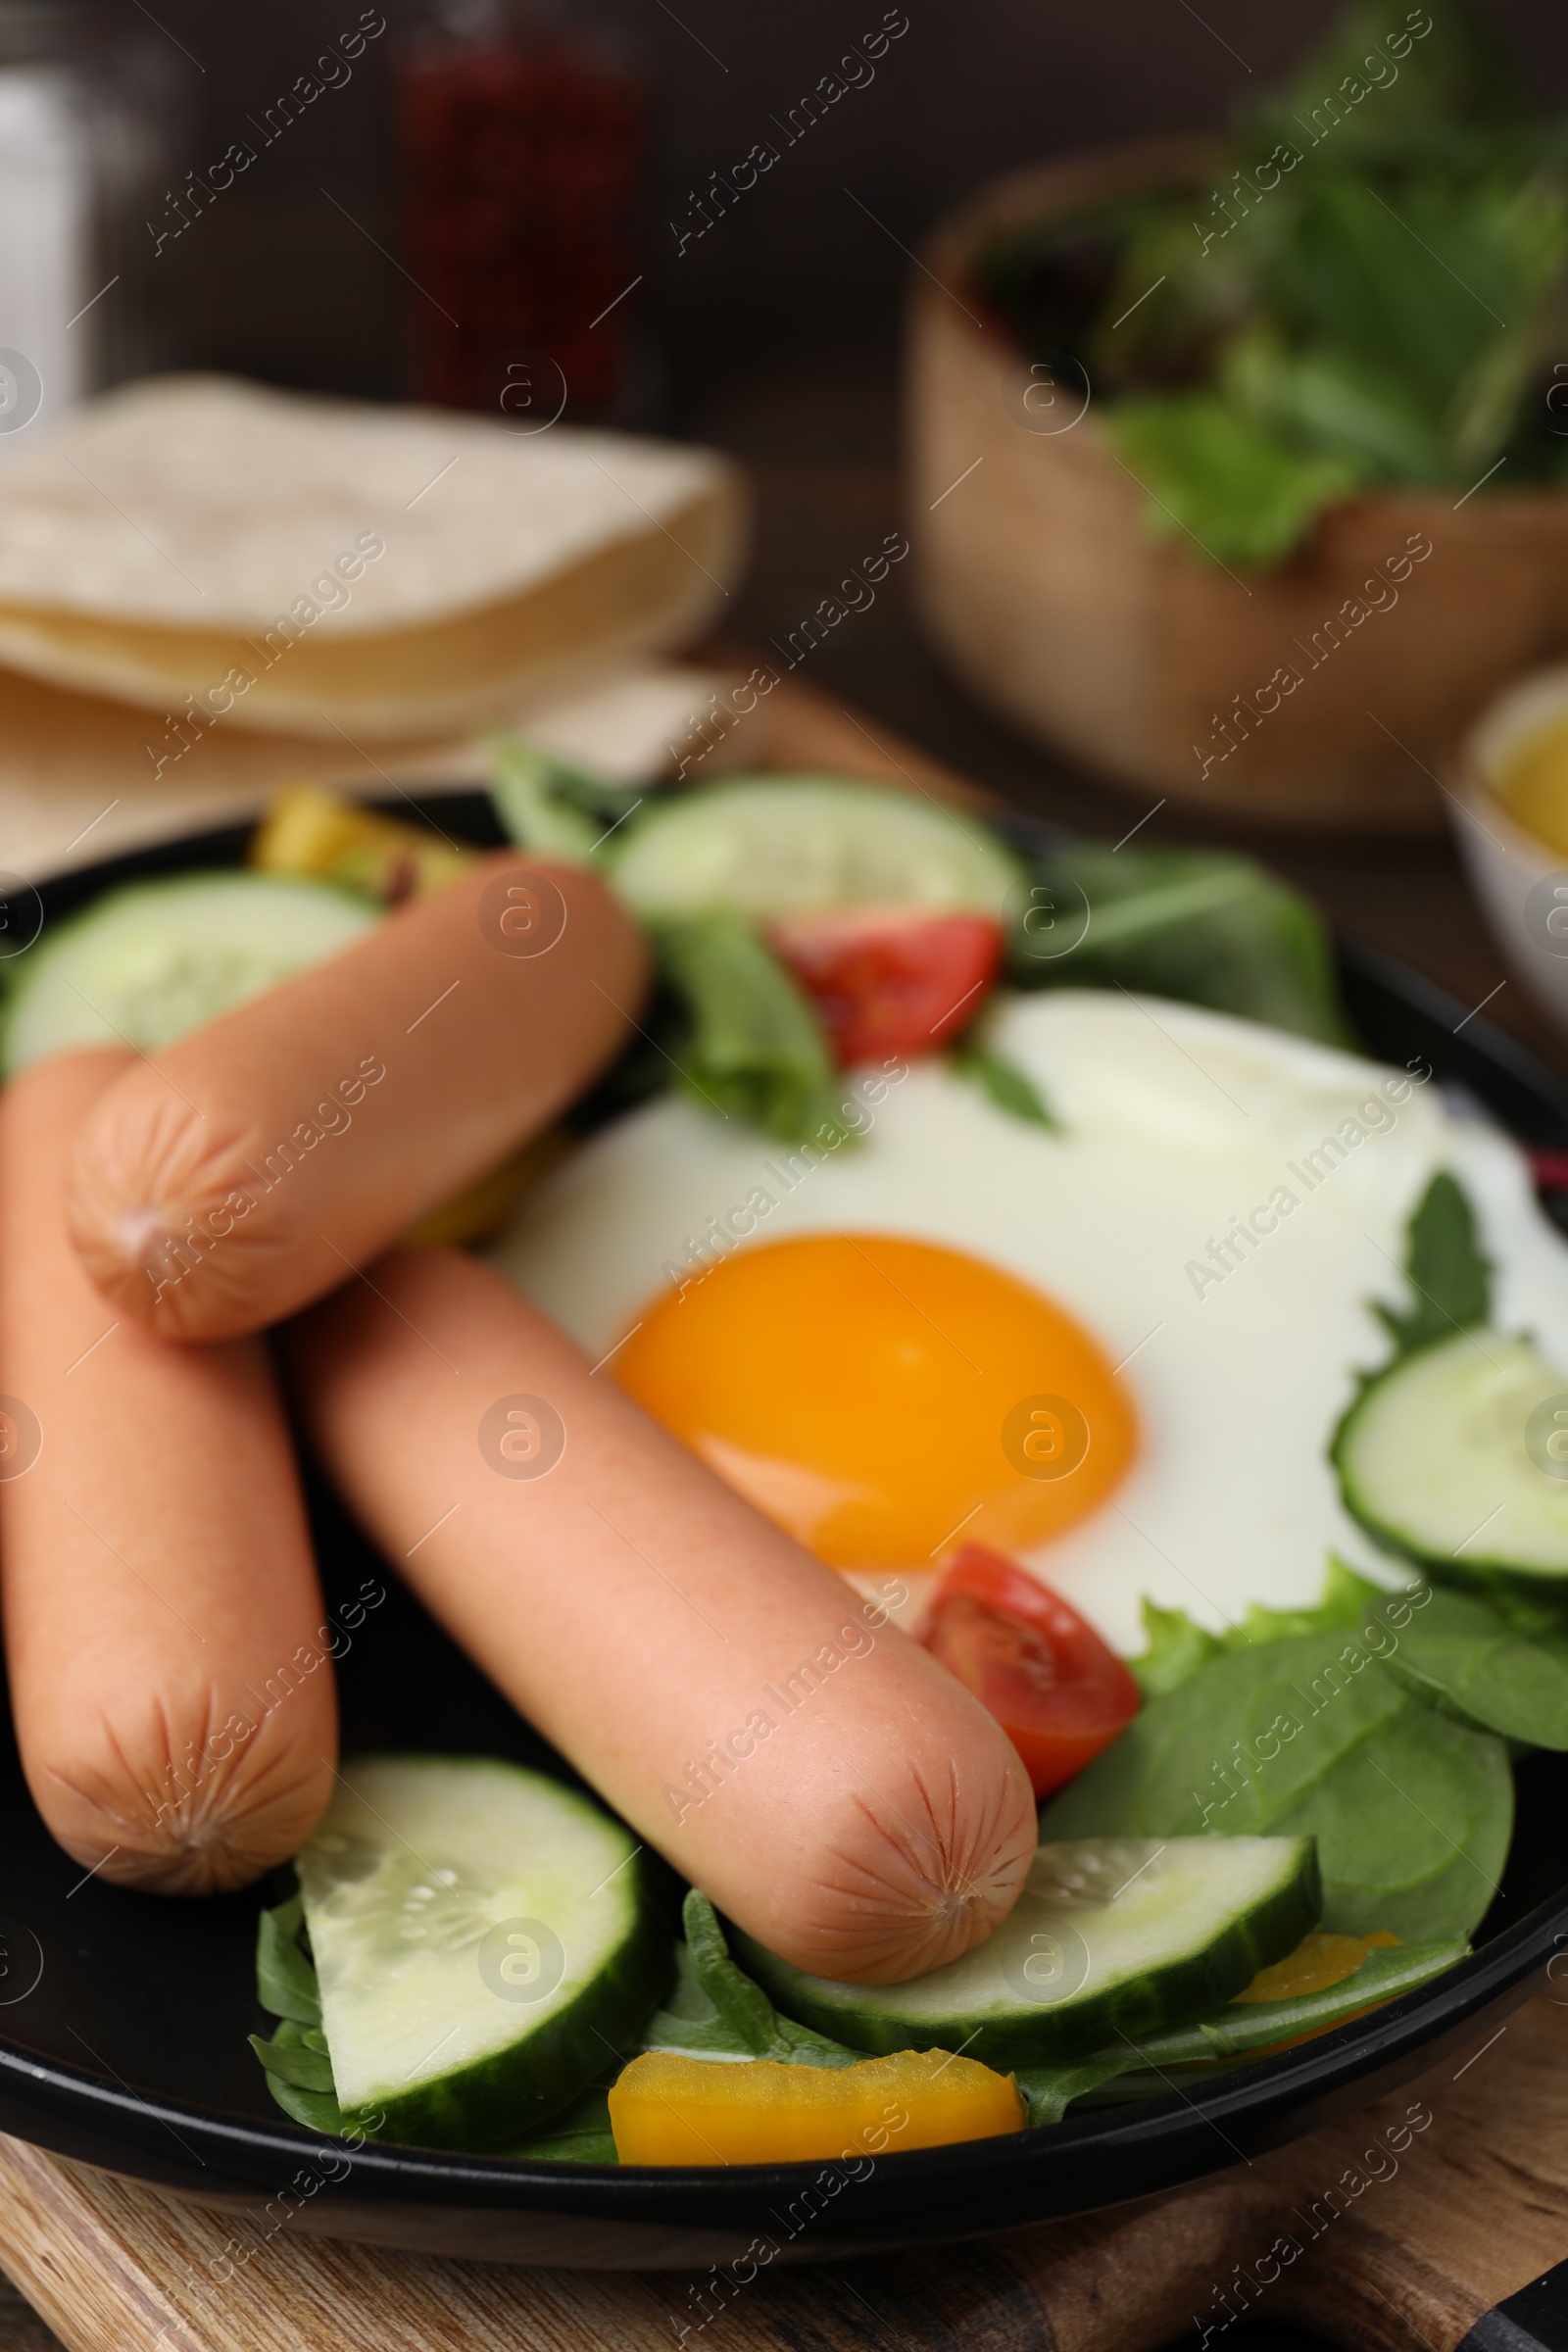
point(1462, 1659)
point(1049, 2091)
point(1200, 925)
point(1232, 2036)
point(1245, 2029)
point(1311, 1735)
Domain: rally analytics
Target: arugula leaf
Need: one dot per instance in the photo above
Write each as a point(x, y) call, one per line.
point(285, 1980)
point(1439, 284)
point(298, 2064)
point(1450, 1279)
point(1009, 1088)
point(297, 2054)
point(753, 1048)
point(1313, 1735)
point(716, 2010)
point(1333, 397)
point(1049, 2091)
point(550, 805)
point(1235, 490)
point(1201, 925)
point(743, 2007)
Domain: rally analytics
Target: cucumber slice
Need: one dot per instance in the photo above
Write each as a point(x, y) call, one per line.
point(144, 965)
point(1444, 1459)
point(484, 1939)
point(1112, 1935)
point(784, 844)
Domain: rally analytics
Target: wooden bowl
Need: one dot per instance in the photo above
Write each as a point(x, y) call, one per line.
point(1317, 695)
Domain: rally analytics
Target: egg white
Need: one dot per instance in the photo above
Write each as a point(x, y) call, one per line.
point(1175, 1123)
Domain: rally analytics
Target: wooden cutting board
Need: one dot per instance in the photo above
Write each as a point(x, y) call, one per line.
point(1392, 2232)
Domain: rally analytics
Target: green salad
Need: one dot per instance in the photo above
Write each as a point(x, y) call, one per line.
point(1367, 288)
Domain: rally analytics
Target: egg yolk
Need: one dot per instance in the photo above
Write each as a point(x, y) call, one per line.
point(885, 1400)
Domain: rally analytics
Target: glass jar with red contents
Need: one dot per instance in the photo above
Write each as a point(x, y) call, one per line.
point(520, 136)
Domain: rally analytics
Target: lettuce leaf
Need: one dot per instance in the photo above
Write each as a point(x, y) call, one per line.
point(1234, 487)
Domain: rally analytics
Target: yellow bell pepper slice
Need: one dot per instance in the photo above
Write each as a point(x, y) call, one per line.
point(327, 837)
point(666, 2109)
point(1318, 1962)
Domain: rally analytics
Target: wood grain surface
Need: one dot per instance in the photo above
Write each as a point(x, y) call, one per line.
point(1390, 2232)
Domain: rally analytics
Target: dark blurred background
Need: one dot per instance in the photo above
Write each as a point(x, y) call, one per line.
point(279, 284)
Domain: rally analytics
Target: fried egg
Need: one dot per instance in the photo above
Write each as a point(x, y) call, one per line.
point(1116, 1349)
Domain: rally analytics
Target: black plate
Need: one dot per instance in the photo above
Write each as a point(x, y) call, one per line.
point(122, 2017)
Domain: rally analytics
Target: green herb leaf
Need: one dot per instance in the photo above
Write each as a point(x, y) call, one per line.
point(1450, 1279)
point(317, 2110)
point(548, 805)
point(754, 1050)
point(1009, 1088)
point(1313, 1735)
point(1049, 2091)
point(285, 1980)
point(742, 2004)
point(580, 2134)
point(1200, 925)
point(297, 2054)
point(1460, 71)
point(1232, 2035)
point(1460, 1657)
point(717, 2010)
point(1240, 2029)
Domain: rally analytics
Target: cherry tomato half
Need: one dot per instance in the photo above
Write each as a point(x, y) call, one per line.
point(1057, 1690)
point(890, 980)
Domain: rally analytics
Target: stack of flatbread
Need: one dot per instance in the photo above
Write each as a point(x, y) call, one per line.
point(208, 589)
